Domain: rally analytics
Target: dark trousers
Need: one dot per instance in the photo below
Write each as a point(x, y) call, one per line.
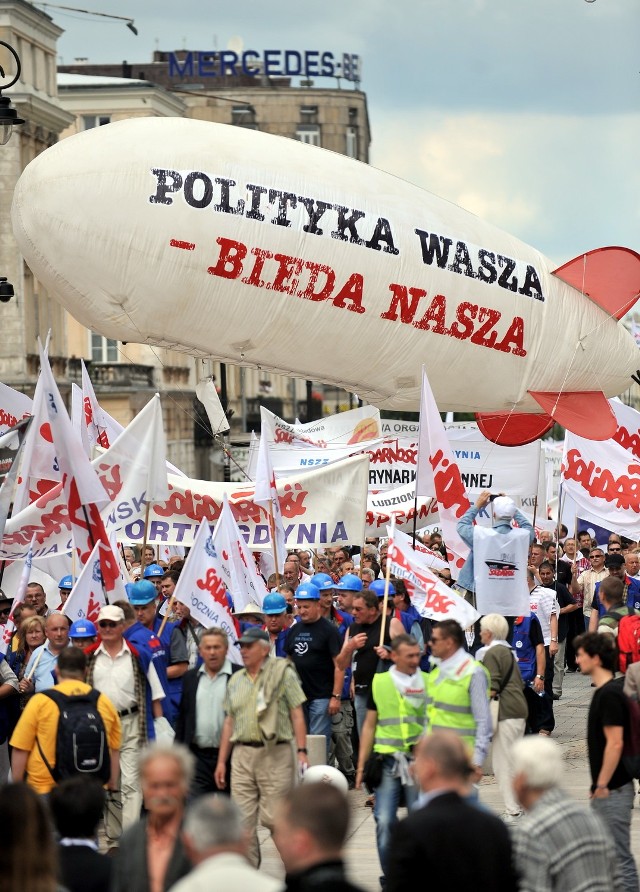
point(575, 627)
point(541, 716)
point(203, 782)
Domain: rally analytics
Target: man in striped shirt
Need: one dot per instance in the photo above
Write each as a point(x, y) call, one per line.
point(263, 707)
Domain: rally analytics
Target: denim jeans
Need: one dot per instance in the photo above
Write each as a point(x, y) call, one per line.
point(360, 705)
point(385, 810)
point(318, 719)
point(615, 813)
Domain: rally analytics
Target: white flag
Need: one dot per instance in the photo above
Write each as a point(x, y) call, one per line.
point(201, 587)
point(208, 396)
point(266, 496)
point(438, 474)
point(9, 627)
point(237, 564)
point(87, 595)
point(95, 421)
point(431, 597)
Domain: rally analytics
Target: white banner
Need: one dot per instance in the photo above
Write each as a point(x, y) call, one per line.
point(603, 480)
point(345, 428)
point(433, 598)
point(401, 504)
point(319, 508)
point(201, 588)
point(500, 571)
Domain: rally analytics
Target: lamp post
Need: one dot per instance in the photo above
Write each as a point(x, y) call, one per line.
point(8, 115)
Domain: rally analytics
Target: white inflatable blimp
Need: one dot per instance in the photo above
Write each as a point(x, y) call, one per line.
point(262, 251)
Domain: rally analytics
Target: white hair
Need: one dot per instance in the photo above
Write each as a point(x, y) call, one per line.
point(496, 624)
point(539, 760)
point(213, 821)
point(183, 757)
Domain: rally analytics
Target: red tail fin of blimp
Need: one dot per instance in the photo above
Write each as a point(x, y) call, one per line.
point(586, 414)
point(610, 277)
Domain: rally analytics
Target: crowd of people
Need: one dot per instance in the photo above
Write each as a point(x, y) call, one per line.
point(198, 752)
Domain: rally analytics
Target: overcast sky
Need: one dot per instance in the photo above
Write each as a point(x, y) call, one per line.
point(525, 112)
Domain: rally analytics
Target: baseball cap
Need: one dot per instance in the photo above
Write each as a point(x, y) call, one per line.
point(503, 507)
point(112, 613)
point(253, 634)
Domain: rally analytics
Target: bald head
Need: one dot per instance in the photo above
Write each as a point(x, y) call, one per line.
point(441, 761)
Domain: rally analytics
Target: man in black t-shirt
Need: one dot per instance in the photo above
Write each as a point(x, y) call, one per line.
point(568, 608)
point(313, 645)
point(611, 785)
point(363, 643)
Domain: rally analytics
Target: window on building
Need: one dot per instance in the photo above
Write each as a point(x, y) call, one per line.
point(244, 116)
point(309, 133)
point(89, 121)
point(351, 148)
point(309, 114)
point(103, 349)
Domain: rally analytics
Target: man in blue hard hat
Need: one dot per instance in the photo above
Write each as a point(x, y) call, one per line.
point(154, 573)
point(276, 621)
point(82, 633)
point(142, 597)
point(313, 645)
point(346, 590)
point(64, 589)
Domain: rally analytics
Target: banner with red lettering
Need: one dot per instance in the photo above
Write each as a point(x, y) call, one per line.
point(423, 556)
point(603, 480)
point(439, 475)
point(201, 587)
point(401, 504)
point(238, 566)
point(14, 406)
point(343, 429)
point(87, 595)
point(18, 598)
point(431, 597)
point(628, 433)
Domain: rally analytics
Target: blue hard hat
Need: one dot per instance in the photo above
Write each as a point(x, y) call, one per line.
point(377, 586)
point(66, 582)
point(350, 583)
point(307, 592)
point(273, 604)
point(322, 580)
point(82, 628)
point(142, 592)
point(153, 570)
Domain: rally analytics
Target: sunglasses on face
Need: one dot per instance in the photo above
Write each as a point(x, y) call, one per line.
point(5, 612)
point(106, 624)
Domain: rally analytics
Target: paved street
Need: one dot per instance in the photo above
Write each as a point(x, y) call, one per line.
point(571, 718)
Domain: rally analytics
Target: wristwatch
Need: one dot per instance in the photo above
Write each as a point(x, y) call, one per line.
point(554, 639)
point(541, 677)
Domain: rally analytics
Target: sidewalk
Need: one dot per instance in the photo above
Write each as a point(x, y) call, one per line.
point(570, 733)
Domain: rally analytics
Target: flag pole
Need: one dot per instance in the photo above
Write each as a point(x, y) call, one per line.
point(144, 537)
point(385, 599)
point(165, 618)
point(272, 530)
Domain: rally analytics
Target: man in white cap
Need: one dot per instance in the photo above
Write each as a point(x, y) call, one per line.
point(131, 682)
point(504, 514)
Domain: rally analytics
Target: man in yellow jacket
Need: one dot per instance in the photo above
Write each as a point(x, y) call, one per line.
point(458, 693)
point(396, 719)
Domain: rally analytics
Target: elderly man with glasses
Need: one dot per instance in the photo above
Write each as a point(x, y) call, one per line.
point(583, 585)
point(263, 716)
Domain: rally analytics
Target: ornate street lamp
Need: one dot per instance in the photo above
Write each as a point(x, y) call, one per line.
point(8, 115)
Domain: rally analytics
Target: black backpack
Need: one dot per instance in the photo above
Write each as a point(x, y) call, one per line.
point(81, 742)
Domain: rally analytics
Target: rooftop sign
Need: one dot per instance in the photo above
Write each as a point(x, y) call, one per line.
point(273, 63)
